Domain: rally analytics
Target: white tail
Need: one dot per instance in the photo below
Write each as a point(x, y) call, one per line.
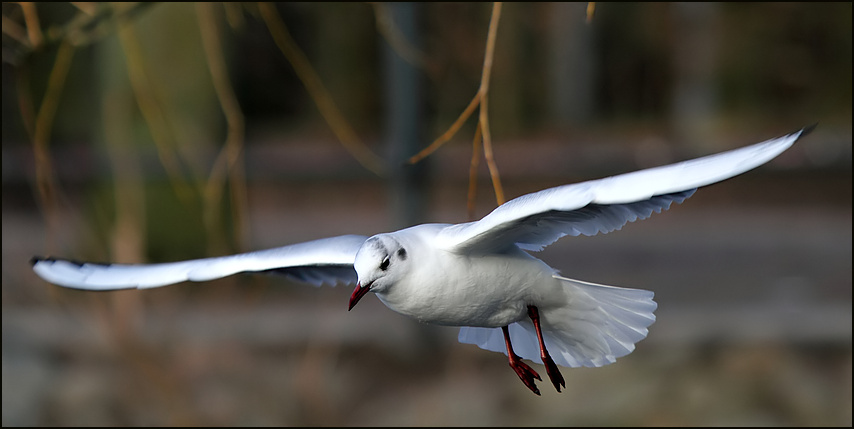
point(597, 325)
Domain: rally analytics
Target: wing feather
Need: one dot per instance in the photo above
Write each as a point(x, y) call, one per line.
point(536, 220)
point(324, 261)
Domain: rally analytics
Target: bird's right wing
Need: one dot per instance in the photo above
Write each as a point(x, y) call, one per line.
point(536, 220)
point(324, 261)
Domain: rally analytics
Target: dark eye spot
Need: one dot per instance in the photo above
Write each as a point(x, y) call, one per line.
point(384, 263)
point(401, 253)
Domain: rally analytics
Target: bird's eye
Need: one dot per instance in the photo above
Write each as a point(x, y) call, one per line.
point(384, 264)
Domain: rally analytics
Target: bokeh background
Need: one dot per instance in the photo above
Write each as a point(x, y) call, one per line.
point(161, 132)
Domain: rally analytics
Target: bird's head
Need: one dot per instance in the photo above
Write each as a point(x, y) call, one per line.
point(379, 264)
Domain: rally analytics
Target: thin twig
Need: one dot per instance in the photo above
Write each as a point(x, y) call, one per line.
point(398, 42)
point(484, 116)
point(25, 101)
point(229, 161)
point(15, 31)
point(448, 134)
point(152, 113)
point(490, 48)
point(45, 180)
point(129, 227)
point(86, 7)
point(99, 21)
point(318, 92)
point(234, 15)
point(31, 18)
point(490, 159)
point(487, 154)
point(475, 163)
point(93, 22)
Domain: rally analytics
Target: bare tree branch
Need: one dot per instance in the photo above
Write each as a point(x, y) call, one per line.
point(318, 92)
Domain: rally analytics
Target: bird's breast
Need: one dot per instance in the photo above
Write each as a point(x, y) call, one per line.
point(484, 290)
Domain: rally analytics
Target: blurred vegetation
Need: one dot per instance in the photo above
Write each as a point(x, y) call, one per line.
point(633, 62)
point(139, 84)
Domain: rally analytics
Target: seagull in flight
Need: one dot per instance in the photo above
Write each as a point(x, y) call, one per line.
point(478, 275)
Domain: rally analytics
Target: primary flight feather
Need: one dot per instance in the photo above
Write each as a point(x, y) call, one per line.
point(479, 275)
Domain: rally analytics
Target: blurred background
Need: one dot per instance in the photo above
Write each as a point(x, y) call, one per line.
point(141, 132)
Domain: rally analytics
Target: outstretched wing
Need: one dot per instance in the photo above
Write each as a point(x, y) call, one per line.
point(324, 261)
point(536, 220)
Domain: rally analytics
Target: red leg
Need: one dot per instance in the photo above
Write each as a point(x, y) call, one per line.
point(551, 369)
point(525, 373)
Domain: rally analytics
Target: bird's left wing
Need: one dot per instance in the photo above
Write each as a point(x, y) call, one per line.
point(536, 220)
point(324, 261)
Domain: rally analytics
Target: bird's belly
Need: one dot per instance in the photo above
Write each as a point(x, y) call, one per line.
point(489, 291)
point(462, 312)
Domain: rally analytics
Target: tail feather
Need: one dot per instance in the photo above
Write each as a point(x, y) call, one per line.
point(597, 325)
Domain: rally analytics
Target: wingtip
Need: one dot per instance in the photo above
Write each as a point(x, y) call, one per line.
point(808, 129)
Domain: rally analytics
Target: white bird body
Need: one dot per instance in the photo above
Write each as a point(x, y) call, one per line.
point(479, 275)
point(590, 324)
point(446, 288)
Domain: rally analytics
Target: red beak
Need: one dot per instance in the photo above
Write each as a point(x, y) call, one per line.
point(358, 294)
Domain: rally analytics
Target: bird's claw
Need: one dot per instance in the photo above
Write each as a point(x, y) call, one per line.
point(554, 373)
point(525, 373)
